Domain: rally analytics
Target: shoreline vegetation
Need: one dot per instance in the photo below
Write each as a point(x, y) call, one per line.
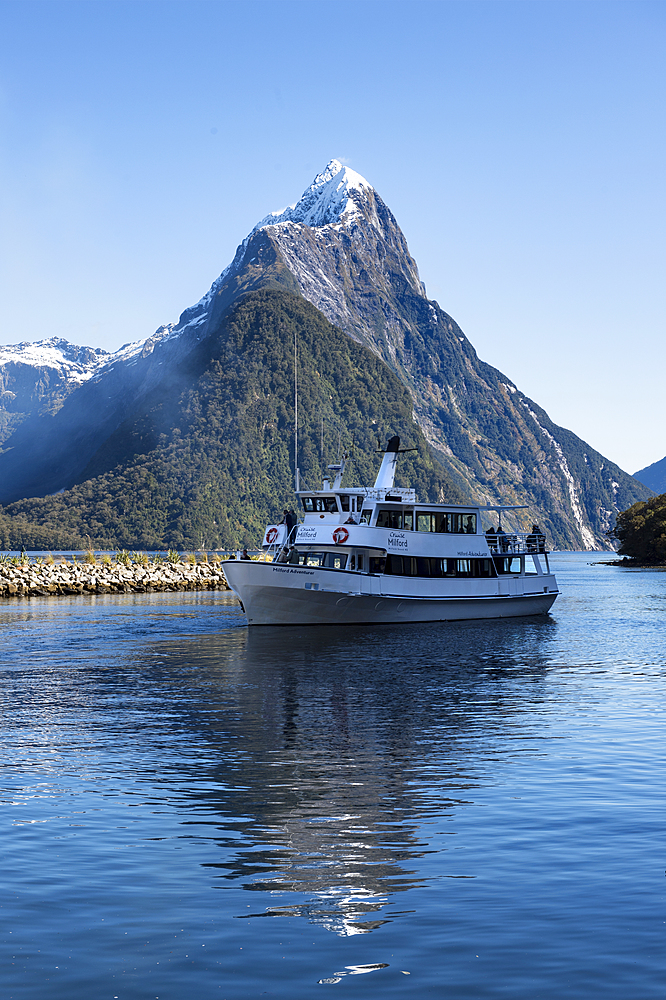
point(124, 573)
point(641, 531)
point(636, 563)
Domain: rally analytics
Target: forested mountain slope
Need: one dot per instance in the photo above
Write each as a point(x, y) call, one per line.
point(209, 464)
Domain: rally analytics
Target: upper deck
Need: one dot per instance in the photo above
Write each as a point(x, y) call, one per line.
point(386, 518)
point(387, 508)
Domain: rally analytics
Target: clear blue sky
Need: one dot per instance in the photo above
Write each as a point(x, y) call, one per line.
point(520, 146)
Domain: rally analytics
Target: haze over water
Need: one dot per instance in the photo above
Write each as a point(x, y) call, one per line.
point(190, 808)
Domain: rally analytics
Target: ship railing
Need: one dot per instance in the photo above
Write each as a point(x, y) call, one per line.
point(515, 543)
point(273, 550)
point(406, 494)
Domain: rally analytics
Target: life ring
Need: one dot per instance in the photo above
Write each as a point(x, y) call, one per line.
point(271, 535)
point(340, 535)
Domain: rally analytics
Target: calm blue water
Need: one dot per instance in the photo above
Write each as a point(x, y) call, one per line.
point(190, 809)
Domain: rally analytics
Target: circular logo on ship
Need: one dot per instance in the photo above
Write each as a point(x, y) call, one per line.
point(340, 535)
point(271, 535)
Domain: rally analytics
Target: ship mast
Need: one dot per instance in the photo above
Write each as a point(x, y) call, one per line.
point(296, 472)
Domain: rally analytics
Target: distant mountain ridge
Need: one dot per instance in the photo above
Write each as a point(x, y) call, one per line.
point(653, 476)
point(340, 248)
point(37, 377)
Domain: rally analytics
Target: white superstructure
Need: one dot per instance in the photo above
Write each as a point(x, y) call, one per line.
point(378, 555)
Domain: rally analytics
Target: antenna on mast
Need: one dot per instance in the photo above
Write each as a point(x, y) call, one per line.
point(296, 472)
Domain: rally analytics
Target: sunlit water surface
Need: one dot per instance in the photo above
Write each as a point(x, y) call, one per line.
point(192, 809)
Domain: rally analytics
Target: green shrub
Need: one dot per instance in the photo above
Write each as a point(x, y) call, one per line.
point(641, 530)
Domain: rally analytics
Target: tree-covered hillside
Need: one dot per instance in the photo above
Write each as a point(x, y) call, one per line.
point(210, 464)
point(641, 531)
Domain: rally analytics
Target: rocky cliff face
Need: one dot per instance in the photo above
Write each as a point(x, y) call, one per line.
point(341, 249)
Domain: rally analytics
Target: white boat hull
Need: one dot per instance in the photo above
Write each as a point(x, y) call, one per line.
point(279, 595)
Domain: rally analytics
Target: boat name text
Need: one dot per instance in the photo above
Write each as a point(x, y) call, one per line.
point(286, 569)
point(397, 540)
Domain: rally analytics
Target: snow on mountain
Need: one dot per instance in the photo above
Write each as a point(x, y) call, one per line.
point(326, 201)
point(75, 364)
point(331, 199)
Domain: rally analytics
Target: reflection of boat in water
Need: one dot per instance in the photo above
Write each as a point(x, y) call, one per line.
point(378, 555)
point(343, 912)
point(327, 770)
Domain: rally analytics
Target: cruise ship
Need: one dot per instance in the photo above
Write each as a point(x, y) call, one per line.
point(376, 554)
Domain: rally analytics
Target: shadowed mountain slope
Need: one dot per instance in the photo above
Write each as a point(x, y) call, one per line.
point(653, 476)
point(209, 463)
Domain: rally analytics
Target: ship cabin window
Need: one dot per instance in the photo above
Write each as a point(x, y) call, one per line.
point(427, 521)
point(365, 516)
point(449, 523)
point(438, 568)
point(530, 565)
point(392, 518)
point(335, 560)
point(319, 505)
point(507, 564)
point(327, 560)
point(350, 504)
point(376, 564)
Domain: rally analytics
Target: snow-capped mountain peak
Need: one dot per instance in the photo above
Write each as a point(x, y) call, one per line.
point(327, 200)
point(76, 364)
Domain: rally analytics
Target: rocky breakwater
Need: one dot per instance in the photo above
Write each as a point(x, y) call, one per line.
point(52, 579)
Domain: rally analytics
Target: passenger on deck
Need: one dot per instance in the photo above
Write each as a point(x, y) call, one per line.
point(245, 554)
point(291, 521)
point(283, 555)
point(535, 541)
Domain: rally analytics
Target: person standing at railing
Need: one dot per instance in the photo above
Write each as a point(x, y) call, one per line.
point(291, 521)
point(539, 538)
